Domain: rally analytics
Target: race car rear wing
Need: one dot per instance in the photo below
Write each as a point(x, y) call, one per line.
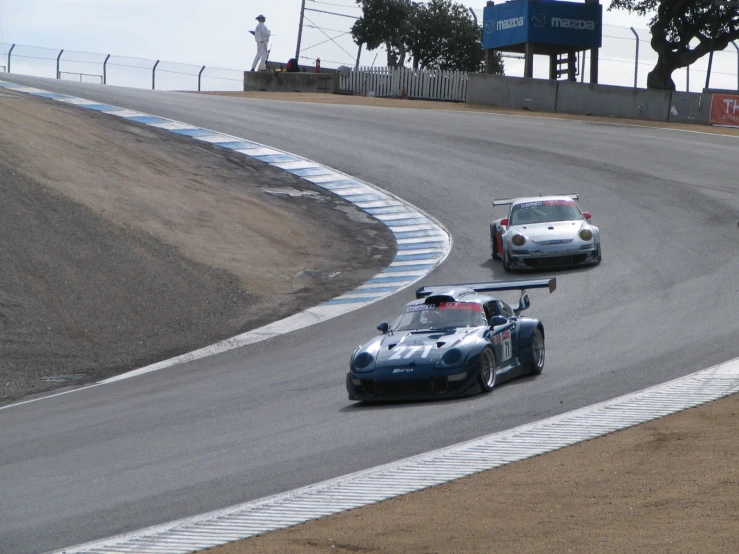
point(518, 284)
point(508, 201)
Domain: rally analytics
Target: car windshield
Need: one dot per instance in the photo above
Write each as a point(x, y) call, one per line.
point(441, 316)
point(544, 211)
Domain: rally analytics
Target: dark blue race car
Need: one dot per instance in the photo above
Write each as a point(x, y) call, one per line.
point(452, 340)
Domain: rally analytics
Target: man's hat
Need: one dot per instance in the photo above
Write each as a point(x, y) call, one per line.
point(261, 17)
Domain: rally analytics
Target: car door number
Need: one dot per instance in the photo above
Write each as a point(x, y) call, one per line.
point(398, 350)
point(505, 339)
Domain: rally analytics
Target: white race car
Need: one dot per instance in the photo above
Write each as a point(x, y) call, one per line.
point(544, 231)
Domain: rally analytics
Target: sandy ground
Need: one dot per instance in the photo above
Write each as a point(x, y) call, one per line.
point(89, 202)
point(122, 245)
point(668, 486)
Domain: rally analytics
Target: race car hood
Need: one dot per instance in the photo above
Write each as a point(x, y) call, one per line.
point(550, 233)
point(414, 348)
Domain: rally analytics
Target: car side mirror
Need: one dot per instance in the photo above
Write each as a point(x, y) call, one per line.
point(587, 215)
point(524, 303)
point(505, 222)
point(383, 327)
point(498, 320)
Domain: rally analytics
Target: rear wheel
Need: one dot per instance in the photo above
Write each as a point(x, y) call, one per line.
point(486, 370)
point(537, 353)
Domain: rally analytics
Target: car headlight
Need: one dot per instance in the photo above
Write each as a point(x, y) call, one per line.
point(451, 358)
point(364, 361)
point(586, 234)
point(518, 240)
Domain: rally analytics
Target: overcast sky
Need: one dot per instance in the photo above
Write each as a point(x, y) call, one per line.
point(201, 32)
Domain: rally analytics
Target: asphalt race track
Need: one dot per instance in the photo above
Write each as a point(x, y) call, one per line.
point(274, 416)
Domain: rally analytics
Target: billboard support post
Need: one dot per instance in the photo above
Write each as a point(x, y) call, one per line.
point(528, 64)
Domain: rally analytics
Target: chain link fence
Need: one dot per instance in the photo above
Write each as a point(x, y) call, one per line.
point(625, 59)
point(326, 34)
point(112, 69)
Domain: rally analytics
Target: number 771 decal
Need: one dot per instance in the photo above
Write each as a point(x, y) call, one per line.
point(398, 350)
point(506, 345)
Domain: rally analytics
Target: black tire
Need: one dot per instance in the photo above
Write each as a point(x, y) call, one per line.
point(486, 370)
point(507, 261)
point(538, 352)
point(599, 256)
point(494, 244)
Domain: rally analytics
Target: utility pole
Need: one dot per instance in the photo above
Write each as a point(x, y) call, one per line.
point(300, 32)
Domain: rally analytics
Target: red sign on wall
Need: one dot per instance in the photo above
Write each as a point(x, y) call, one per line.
point(725, 110)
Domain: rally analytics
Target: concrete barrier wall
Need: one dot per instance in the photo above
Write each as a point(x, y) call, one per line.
point(512, 92)
point(587, 99)
point(690, 107)
point(610, 101)
point(289, 82)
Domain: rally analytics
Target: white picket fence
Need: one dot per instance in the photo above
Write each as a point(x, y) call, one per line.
point(387, 82)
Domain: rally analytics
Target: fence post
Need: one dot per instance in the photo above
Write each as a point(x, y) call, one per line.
point(474, 16)
point(199, 75)
point(582, 69)
point(737, 63)
point(58, 76)
point(105, 70)
point(687, 78)
point(636, 63)
point(154, 75)
point(714, 30)
point(9, 53)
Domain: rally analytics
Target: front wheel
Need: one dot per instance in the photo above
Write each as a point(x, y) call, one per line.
point(507, 261)
point(599, 256)
point(537, 353)
point(494, 245)
point(486, 370)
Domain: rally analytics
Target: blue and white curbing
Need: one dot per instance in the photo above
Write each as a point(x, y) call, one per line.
point(422, 242)
point(419, 472)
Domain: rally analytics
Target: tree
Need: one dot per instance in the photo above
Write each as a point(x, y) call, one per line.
point(439, 34)
point(385, 22)
point(444, 36)
point(678, 23)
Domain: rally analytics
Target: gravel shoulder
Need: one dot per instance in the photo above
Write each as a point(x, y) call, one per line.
point(122, 245)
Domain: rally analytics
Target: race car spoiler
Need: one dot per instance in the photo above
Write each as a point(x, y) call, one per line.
point(518, 284)
point(507, 201)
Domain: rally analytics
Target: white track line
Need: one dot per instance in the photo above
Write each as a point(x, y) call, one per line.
point(419, 472)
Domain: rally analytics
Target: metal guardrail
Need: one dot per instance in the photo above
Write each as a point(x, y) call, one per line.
point(118, 70)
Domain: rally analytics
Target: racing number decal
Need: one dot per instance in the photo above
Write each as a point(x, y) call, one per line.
point(506, 343)
point(398, 350)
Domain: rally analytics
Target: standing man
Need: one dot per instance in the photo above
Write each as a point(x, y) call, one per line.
point(261, 35)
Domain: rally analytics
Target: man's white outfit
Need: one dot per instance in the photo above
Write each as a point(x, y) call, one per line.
point(261, 35)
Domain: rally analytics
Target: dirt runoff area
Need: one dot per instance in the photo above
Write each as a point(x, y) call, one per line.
point(668, 486)
point(122, 245)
